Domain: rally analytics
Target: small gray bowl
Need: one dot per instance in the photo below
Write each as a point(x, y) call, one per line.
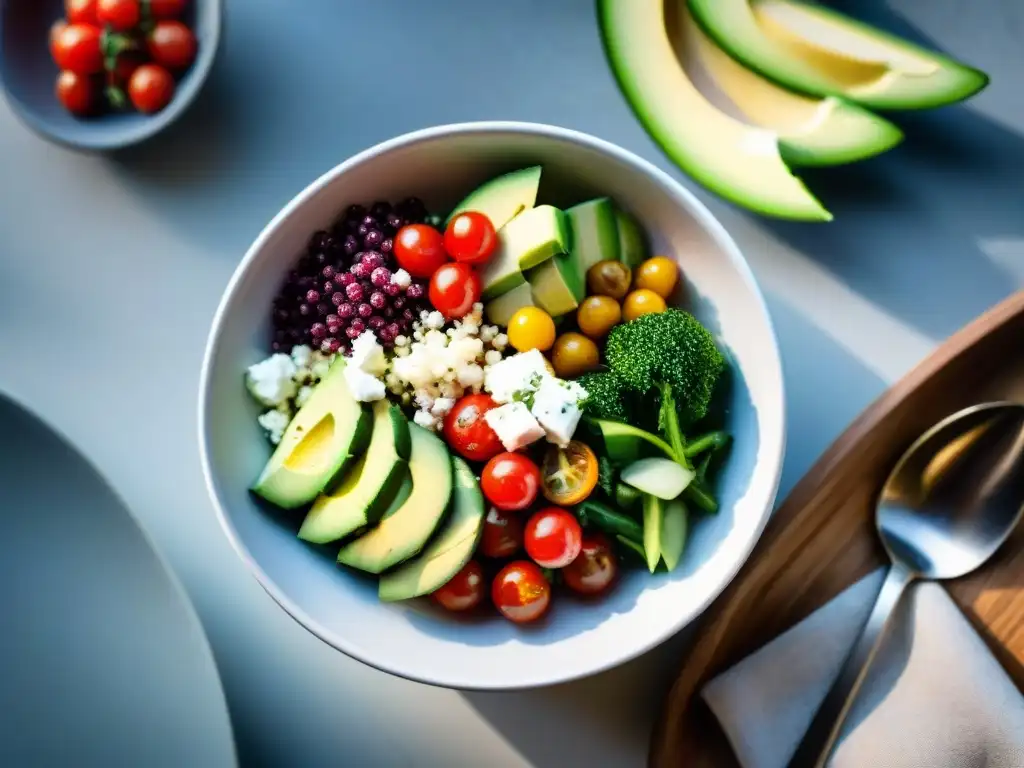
point(28, 75)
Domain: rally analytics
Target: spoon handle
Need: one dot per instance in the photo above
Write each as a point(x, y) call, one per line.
point(817, 743)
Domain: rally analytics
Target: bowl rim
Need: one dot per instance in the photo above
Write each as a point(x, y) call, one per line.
point(775, 444)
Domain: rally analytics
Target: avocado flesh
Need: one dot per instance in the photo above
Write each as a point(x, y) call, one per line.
point(822, 52)
point(499, 311)
point(369, 487)
point(323, 440)
point(740, 162)
point(531, 238)
point(449, 550)
point(594, 232)
point(812, 130)
point(557, 285)
point(503, 198)
point(633, 246)
point(402, 532)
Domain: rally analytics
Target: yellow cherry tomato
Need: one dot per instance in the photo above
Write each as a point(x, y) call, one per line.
point(658, 274)
point(568, 475)
point(574, 354)
point(531, 328)
point(609, 278)
point(642, 302)
point(597, 315)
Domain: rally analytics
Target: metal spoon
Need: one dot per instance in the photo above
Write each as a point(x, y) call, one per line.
point(950, 502)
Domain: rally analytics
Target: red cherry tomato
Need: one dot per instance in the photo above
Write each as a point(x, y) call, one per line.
point(166, 9)
point(594, 569)
point(150, 88)
point(419, 249)
point(76, 48)
point(122, 15)
point(171, 44)
point(553, 537)
point(470, 238)
point(466, 430)
point(80, 11)
point(464, 590)
point(502, 535)
point(55, 32)
point(520, 592)
point(76, 92)
point(510, 481)
point(454, 289)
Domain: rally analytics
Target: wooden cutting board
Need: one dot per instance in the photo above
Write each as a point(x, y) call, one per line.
point(821, 540)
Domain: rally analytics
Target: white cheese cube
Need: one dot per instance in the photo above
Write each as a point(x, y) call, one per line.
point(556, 406)
point(271, 381)
point(514, 425)
point(364, 387)
point(516, 374)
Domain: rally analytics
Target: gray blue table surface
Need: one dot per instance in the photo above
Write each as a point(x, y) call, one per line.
point(111, 268)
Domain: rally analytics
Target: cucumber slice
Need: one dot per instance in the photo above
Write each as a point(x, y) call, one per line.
point(674, 525)
point(654, 512)
point(663, 478)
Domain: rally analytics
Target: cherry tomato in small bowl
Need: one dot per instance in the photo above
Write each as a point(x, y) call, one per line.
point(594, 569)
point(171, 44)
point(467, 432)
point(151, 88)
point(80, 11)
point(502, 535)
point(76, 48)
point(122, 15)
point(520, 592)
point(167, 9)
point(510, 481)
point(470, 238)
point(77, 93)
point(569, 475)
point(464, 590)
point(553, 537)
point(419, 250)
point(454, 289)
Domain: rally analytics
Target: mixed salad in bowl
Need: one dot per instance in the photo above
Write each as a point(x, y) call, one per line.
point(491, 406)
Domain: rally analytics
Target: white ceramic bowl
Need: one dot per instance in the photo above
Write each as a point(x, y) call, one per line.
point(578, 638)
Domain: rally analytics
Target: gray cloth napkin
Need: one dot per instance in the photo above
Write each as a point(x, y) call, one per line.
point(935, 696)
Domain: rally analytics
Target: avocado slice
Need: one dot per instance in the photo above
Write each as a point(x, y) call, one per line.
point(624, 443)
point(557, 284)
point(595, 234)
point(369, 487)
point(402, 533)
point(321, 443)
point(503, 198)
point(633, 246)
point(531, 238)
point(812, 130)
point(499, 311)
point(739, 161)
point(449, 550)
point(820, 51)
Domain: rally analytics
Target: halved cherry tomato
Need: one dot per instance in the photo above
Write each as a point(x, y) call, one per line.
point(553, 537)
point(80, 11)
point(454, 289)
point(464, 590)
point(467, 432)
point(122, 15)
point(510, 481)
point(166, 9)
point(151, 88)
point(171, 44)
point(419, 250)
point(520, 592)
point(76, 48)
point(76, 92)
point(470, 238)
point(594, 569)
point(569, 474)
point(502, 535)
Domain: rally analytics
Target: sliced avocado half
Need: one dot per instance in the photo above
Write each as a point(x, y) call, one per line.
point(328, 434)
point(812, 130)
point(820, 51)
point(531, 238)
point(503, 198)
point(449, 550)
point(369, 487)
point(739, 161)
point(402, 531)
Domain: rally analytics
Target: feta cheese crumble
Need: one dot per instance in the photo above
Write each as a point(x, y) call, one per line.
point(514, 425)
point(557, 407)
point(272, 381)
point(365, 368)
point(514, 378)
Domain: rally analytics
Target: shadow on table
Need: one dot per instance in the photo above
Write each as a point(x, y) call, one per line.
point(912, 227)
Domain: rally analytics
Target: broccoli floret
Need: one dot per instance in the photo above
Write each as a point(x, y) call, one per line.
point(672, 352)
point(609, 396)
